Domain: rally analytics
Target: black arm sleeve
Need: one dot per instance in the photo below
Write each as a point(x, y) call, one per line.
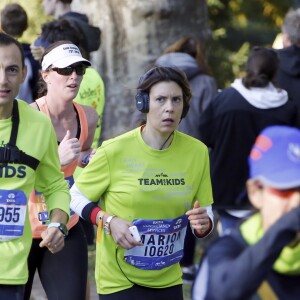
point(86, 212)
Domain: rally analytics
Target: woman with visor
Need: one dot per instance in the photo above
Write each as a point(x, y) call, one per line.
point(155, 178)
point(62, 70)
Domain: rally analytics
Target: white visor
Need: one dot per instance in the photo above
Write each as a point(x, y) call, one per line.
point(63, 56)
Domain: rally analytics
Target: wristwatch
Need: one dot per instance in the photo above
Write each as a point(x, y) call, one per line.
point(106, 226)
point(62, 227)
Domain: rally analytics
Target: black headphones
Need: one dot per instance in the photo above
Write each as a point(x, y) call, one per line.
point(142, 98)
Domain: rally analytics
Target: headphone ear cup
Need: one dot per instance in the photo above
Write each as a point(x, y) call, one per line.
point(142, 97)
point(142, 101)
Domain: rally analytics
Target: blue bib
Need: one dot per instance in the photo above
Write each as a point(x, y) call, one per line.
point(163, 243)
point(13, 205)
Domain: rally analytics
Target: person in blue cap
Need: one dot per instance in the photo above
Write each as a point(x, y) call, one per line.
point(260, 258)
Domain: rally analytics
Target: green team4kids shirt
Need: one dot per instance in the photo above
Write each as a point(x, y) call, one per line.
point(36, 138)
point(153, 189)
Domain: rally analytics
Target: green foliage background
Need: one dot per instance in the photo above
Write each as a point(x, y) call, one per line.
point(236, 26)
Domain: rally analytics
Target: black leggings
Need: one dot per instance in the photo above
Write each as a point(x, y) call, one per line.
point(12, 292)
point(89, 231)
point(137, 292)
point(64, 274)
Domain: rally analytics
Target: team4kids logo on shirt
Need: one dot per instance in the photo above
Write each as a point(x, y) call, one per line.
point(161, 179)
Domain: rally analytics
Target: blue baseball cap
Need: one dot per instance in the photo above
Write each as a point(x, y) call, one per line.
point(275, 157)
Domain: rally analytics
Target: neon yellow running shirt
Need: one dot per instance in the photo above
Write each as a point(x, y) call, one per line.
point(135, 181)
point(36, 138)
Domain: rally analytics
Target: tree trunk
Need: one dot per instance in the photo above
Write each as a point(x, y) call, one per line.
point(134, 33)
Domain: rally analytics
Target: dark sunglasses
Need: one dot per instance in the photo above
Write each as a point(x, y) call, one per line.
point(67, 71)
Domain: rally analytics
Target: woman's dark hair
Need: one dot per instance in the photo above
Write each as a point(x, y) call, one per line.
point(66, 1)
point(62, 29)
point(158, 74)
point(58, 30)
point(41, 85)
point(194, 48)
point(14, 20)
point(7, 40)
point(261, 68)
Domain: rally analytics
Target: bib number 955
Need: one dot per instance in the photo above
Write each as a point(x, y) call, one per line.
point(9, 214)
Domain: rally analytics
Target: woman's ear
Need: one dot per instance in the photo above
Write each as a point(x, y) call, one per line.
point(254, 193)
point(44, 75)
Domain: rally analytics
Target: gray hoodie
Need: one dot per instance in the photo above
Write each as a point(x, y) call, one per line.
point(203, 90)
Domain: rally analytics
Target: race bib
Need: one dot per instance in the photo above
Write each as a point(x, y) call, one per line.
point(12, 214)
point(69, 180)
point(42, 210)
point(163, 243)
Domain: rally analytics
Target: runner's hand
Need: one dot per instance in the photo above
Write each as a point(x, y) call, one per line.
point(199, 219)
point(37, 52)
point(53, 239)
point(69, 149)
point(121, 234)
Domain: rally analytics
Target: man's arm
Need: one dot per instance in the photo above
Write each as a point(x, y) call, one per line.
point(50, 181)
